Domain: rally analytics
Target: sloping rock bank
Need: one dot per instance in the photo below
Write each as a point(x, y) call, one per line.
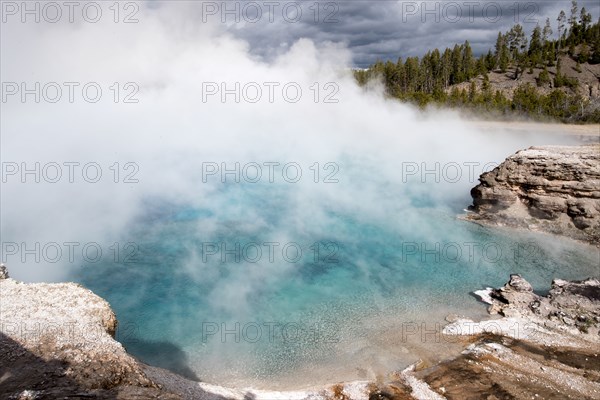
point(545, 347)
point(554, 189)
point(56, 341)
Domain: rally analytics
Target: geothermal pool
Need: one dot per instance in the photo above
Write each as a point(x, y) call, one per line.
point(339, 263)
point(280, 260)
point(277, 284)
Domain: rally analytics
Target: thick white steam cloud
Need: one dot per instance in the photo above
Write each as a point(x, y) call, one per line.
point(174, 58)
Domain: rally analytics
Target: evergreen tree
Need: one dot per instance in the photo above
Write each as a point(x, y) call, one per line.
point(547, 56)
point(502, 52)
point(391, 79)
point(535, 47)
point(526, 99)
point(517, 43)
point(543, 78)
point(558, 78)
point(485, 87)
point(472, 91)
point(435, 61)
point(516, 40)
point(412, 73)
point(431, 78)
point(585, 19)
point(446, 67)
point(573, 18)
point(535, 44)
point(504, 58)
point(401, 74)
point(467, 64)
point(457, 75)
point(595, 57)
point(481, 66)
point(551, 55)
point(499, 100)
point(547, 32)
point(562, 20)
point(584, 54)
point(499, 47)
point(490, 61)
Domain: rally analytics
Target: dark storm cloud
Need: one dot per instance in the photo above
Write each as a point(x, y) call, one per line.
point(384, 30)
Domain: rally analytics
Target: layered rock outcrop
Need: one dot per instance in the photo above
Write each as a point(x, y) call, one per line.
point(554, 189)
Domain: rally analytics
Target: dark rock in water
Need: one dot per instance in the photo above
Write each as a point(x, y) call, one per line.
point(519, 284)
point(554, 189)
point(515, 295)
point(575, 303)
point(3, 272)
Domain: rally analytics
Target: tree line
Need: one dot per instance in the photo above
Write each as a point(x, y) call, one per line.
point(433, 77)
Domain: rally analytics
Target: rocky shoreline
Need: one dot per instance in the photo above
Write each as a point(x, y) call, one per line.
point(58, 341)
point(553, 189)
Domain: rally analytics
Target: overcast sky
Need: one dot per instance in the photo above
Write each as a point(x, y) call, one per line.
point(381, 29)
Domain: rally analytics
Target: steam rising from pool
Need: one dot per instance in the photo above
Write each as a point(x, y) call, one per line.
point(346, 242)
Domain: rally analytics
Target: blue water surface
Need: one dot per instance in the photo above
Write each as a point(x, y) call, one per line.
point(189, 300)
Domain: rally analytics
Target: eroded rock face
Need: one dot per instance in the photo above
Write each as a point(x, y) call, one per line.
point(554, 189)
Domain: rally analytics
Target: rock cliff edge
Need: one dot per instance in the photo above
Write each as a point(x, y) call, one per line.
point(554, 189)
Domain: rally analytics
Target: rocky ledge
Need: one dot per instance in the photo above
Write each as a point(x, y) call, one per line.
point(554, 189)
point(56, 341)
point(544, 346)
